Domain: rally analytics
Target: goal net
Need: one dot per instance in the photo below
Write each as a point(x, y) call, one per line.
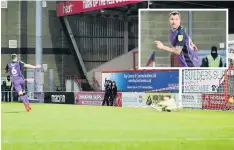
point(208, 89)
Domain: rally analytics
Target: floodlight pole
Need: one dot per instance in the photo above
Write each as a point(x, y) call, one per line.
point(38, 53)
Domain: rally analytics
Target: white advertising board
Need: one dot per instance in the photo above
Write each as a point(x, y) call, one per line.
point(201, 81)
point(3, 3)
point(191, 100)
point(133, 99)
point(12, 43)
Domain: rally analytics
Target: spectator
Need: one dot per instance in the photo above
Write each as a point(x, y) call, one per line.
point(3, 90)
point(113, 94)
point(8, 89)
point(213, 59)
point(108, 91)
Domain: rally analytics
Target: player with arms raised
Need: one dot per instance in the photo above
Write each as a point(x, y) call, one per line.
point(15, 68)
point(181, 43)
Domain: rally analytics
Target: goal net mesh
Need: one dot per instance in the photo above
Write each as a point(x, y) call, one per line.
point(208, 89)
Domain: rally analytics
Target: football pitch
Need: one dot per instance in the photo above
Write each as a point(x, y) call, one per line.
point(73, 127)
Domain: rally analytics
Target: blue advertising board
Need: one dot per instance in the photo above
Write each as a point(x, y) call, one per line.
point(143, 81)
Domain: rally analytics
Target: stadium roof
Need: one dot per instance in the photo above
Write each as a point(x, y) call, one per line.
point(131, 11)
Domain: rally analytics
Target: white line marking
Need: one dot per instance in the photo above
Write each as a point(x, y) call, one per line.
point(115, 140)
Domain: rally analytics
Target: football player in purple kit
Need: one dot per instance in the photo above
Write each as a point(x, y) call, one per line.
point(181, 43)
point(15, 68)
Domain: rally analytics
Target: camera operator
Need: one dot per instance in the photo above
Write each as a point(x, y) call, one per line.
point(113, 94)
point(108, 90)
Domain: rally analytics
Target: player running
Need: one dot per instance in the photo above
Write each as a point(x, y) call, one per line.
point(15, 68)
point(181, 43)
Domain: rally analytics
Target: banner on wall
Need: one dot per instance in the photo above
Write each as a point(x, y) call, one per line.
point(94, 98)
point(133, 99)
point(143, 81)
point(59, 97)
point(75, 7)
point(191, 100)
point(89, 98)
point(216, 101)
point(205, 81)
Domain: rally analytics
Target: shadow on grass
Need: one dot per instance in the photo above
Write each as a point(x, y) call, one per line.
point(13, 112)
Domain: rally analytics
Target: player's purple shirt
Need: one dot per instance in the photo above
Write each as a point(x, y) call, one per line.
point(188, 57)
point(15, 69)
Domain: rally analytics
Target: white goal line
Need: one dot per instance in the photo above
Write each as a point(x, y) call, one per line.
point(116, 140)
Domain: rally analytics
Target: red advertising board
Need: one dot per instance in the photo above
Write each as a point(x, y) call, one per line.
point(216, 101)
point(74, 7)
point(94, 98)
point(118, 100)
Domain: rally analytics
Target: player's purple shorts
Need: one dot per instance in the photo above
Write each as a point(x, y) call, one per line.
point(19, 84)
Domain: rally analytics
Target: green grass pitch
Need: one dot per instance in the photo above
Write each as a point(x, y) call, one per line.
point(73, 127)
